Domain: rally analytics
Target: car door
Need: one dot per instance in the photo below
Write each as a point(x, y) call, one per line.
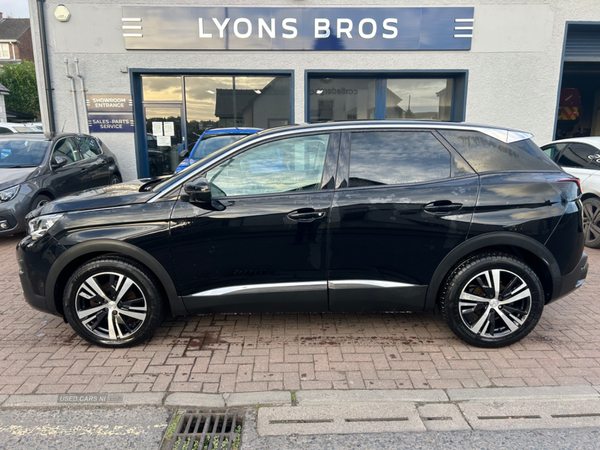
point(73, 176)
point(403, 201)
point(94, 160)
point(265, 251)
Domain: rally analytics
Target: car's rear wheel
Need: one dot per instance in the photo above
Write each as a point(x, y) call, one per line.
point(113, 302)
point(115, 179)
point(591, 222)
point(492, 300)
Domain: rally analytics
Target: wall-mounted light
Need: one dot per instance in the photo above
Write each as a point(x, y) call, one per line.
point(210, 92)
point(62, 13)
point(257, 91)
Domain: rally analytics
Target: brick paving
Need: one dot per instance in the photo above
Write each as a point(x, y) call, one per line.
point(240, 353)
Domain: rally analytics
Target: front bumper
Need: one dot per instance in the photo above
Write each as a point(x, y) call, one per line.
point(574, 279)
point(35, 259)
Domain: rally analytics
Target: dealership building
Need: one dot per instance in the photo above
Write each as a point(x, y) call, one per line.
point(148, 77)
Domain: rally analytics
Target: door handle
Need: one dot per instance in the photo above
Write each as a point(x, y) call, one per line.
point(306, 216)
point(442, 207)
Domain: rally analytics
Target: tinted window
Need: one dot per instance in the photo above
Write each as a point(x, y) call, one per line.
point(286, 165)
point(4, 130)
point(397, 157)
point(211, 143)
point(578, 156)
point(553, 150)
point(66, 149)
point(88, 147)
point(486, 154)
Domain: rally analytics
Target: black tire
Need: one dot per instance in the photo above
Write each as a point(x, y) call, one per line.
point(140, 290)
point(39, 201)
point(474, 280)
point(115, 179)
point(591, 222)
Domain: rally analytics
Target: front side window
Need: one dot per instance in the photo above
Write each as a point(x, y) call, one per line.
point(579, 156)
point(66, 149)
point(286, 165)
point(397, 157)
point(213, 142)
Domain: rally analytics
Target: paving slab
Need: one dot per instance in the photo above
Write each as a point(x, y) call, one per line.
point(519, 393)
point(339, 419)
point(32, 400)
point(531, 415)
point(195, 400)
point(259, 398)
point(3, 398)
point(318, 397)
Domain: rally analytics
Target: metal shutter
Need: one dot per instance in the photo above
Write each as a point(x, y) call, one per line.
point(583, 43)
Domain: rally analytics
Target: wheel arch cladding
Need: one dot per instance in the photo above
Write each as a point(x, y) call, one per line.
point(529, 250)
point(79, 254)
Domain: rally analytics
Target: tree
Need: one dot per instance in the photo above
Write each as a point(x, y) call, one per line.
point(19, 79)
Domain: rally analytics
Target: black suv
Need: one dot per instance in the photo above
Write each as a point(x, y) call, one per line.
point(340, 217)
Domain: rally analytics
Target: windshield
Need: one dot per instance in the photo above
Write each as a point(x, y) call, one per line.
point(172, 180)
point(213, 142)
point(22, 152)
point(26, 130)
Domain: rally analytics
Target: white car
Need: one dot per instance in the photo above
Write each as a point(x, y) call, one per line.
point(581, 158)
point(23, 128)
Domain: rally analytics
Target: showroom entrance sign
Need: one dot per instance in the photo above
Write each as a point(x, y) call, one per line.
point(280, 28)
point(110, 113)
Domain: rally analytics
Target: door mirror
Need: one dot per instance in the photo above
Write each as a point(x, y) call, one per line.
point(184, 153)
point(59, 161)
point(197, 192)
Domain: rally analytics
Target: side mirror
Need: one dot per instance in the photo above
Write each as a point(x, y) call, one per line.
point(184, 153)
point(59, 161)
point(197, 192)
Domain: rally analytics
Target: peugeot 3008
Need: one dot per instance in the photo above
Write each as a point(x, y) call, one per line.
point(340, 217)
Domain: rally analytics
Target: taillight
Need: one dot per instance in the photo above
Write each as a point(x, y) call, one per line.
point(576, 180)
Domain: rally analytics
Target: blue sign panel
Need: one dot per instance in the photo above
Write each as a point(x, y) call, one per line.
point(110, 123)
point(223, 28)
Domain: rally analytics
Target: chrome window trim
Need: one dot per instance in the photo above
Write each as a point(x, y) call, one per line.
point(503, 135)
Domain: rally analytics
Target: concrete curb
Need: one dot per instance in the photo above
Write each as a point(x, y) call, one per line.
point(308, 397)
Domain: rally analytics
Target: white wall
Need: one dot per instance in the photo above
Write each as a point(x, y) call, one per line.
point(514, 63)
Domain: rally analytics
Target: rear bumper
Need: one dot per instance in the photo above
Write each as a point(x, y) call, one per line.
point(575, 278)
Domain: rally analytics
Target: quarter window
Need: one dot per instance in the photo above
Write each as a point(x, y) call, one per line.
point(287, 165)
point(397, 157)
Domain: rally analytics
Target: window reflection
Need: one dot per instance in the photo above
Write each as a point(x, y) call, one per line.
point(423, 99)
point(341, 99)
point(161, 88)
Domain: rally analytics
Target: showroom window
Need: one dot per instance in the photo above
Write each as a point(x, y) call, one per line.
point(178, 108)
point(382, 96)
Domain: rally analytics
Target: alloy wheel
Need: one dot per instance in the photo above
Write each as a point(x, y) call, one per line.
point(495, 303)
point(591, 221)
point(111, 305)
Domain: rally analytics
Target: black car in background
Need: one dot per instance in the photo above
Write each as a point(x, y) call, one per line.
point(35, 170)
point(340, 217)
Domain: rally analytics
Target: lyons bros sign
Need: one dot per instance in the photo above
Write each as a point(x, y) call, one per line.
point(223, 28)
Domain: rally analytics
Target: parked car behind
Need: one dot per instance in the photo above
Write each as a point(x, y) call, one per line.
point(340, 217)
point(211, 141)
point(581, 158)
point(23, 128)
point(35, 170)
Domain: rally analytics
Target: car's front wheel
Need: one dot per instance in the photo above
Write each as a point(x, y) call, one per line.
point(492, 300)
point(113, 302)
point(591, 222)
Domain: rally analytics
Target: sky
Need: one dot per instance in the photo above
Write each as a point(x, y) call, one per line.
point(14, 8)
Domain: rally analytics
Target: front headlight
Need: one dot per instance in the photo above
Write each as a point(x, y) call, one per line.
point(9, 194)
point(38, 226)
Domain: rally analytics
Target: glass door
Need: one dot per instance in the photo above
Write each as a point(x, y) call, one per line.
point(164, 137)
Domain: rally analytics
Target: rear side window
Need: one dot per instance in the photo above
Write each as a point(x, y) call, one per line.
point(579, 156)
point(486, 154)
point(397, 157)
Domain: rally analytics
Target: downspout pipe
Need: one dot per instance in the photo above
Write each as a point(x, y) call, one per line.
point(73, 91)
point(45, 66)
point(86, 125)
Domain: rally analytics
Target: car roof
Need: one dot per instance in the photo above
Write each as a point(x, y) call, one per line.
point(502, 134)
point(234, 130)
point(591, 140)
point(39, 136)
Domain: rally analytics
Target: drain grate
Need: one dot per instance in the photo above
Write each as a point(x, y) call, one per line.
point(205, 431)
